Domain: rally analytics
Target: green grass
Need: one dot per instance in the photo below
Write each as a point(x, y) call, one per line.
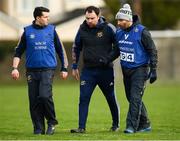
point(162, 101)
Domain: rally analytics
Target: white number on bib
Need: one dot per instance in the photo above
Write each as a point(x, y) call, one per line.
point(129, 57)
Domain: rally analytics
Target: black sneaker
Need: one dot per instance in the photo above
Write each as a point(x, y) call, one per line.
point(50, 129)
point(78, 130)
point(39, 132)
point(114, 128)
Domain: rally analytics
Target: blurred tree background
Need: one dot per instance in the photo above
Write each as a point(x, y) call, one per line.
point(155, 14)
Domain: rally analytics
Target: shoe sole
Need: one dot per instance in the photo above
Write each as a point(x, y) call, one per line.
point(114, 130)
point(145, 130)
point(73, 131)
point(129, 131)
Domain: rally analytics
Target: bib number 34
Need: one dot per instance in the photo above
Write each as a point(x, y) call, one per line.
point(128, 57)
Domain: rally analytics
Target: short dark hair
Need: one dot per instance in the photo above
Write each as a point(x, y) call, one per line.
point(38, 11)
point(90, 9)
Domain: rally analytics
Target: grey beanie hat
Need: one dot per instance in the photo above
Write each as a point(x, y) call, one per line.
point(124, 13)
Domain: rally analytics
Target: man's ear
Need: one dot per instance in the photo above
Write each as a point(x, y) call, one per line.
point(37, 18)
point(98, 17)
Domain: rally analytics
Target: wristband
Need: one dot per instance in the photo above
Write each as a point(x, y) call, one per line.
point(74, 66)
point(14, 68)
point(64, 69)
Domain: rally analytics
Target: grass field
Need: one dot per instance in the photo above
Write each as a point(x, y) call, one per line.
point(162, 101)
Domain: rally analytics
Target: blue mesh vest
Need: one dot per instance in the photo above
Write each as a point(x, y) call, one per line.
point(132, 52)
point(40, 49)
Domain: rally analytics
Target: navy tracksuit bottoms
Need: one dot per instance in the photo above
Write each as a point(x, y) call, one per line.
point(90, 78)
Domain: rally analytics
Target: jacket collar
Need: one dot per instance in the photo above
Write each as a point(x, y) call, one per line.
point(100, 24)
point(135, 22)
point(37, 26)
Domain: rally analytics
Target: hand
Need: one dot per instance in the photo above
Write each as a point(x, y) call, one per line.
point(103, 61)
point(64, 74)
point(152, 76)
point(15, 74)
point(75, 73)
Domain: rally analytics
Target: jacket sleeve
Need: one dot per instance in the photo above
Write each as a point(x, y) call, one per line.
point(76, 49)
point(115, 50)
point(21, 46)
point(150, 47)
point(61, 52)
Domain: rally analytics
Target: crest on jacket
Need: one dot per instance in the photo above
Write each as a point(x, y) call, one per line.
point(100, 34)
point(136, 29)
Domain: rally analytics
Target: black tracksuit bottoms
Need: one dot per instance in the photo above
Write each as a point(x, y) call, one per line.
point(134, 83)
point(40, 98)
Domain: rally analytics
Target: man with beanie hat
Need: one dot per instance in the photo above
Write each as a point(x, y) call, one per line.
point(125, 13)
point(138, 55)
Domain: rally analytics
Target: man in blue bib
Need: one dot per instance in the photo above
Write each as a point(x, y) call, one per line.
point(41, 43)
point(137, 54)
